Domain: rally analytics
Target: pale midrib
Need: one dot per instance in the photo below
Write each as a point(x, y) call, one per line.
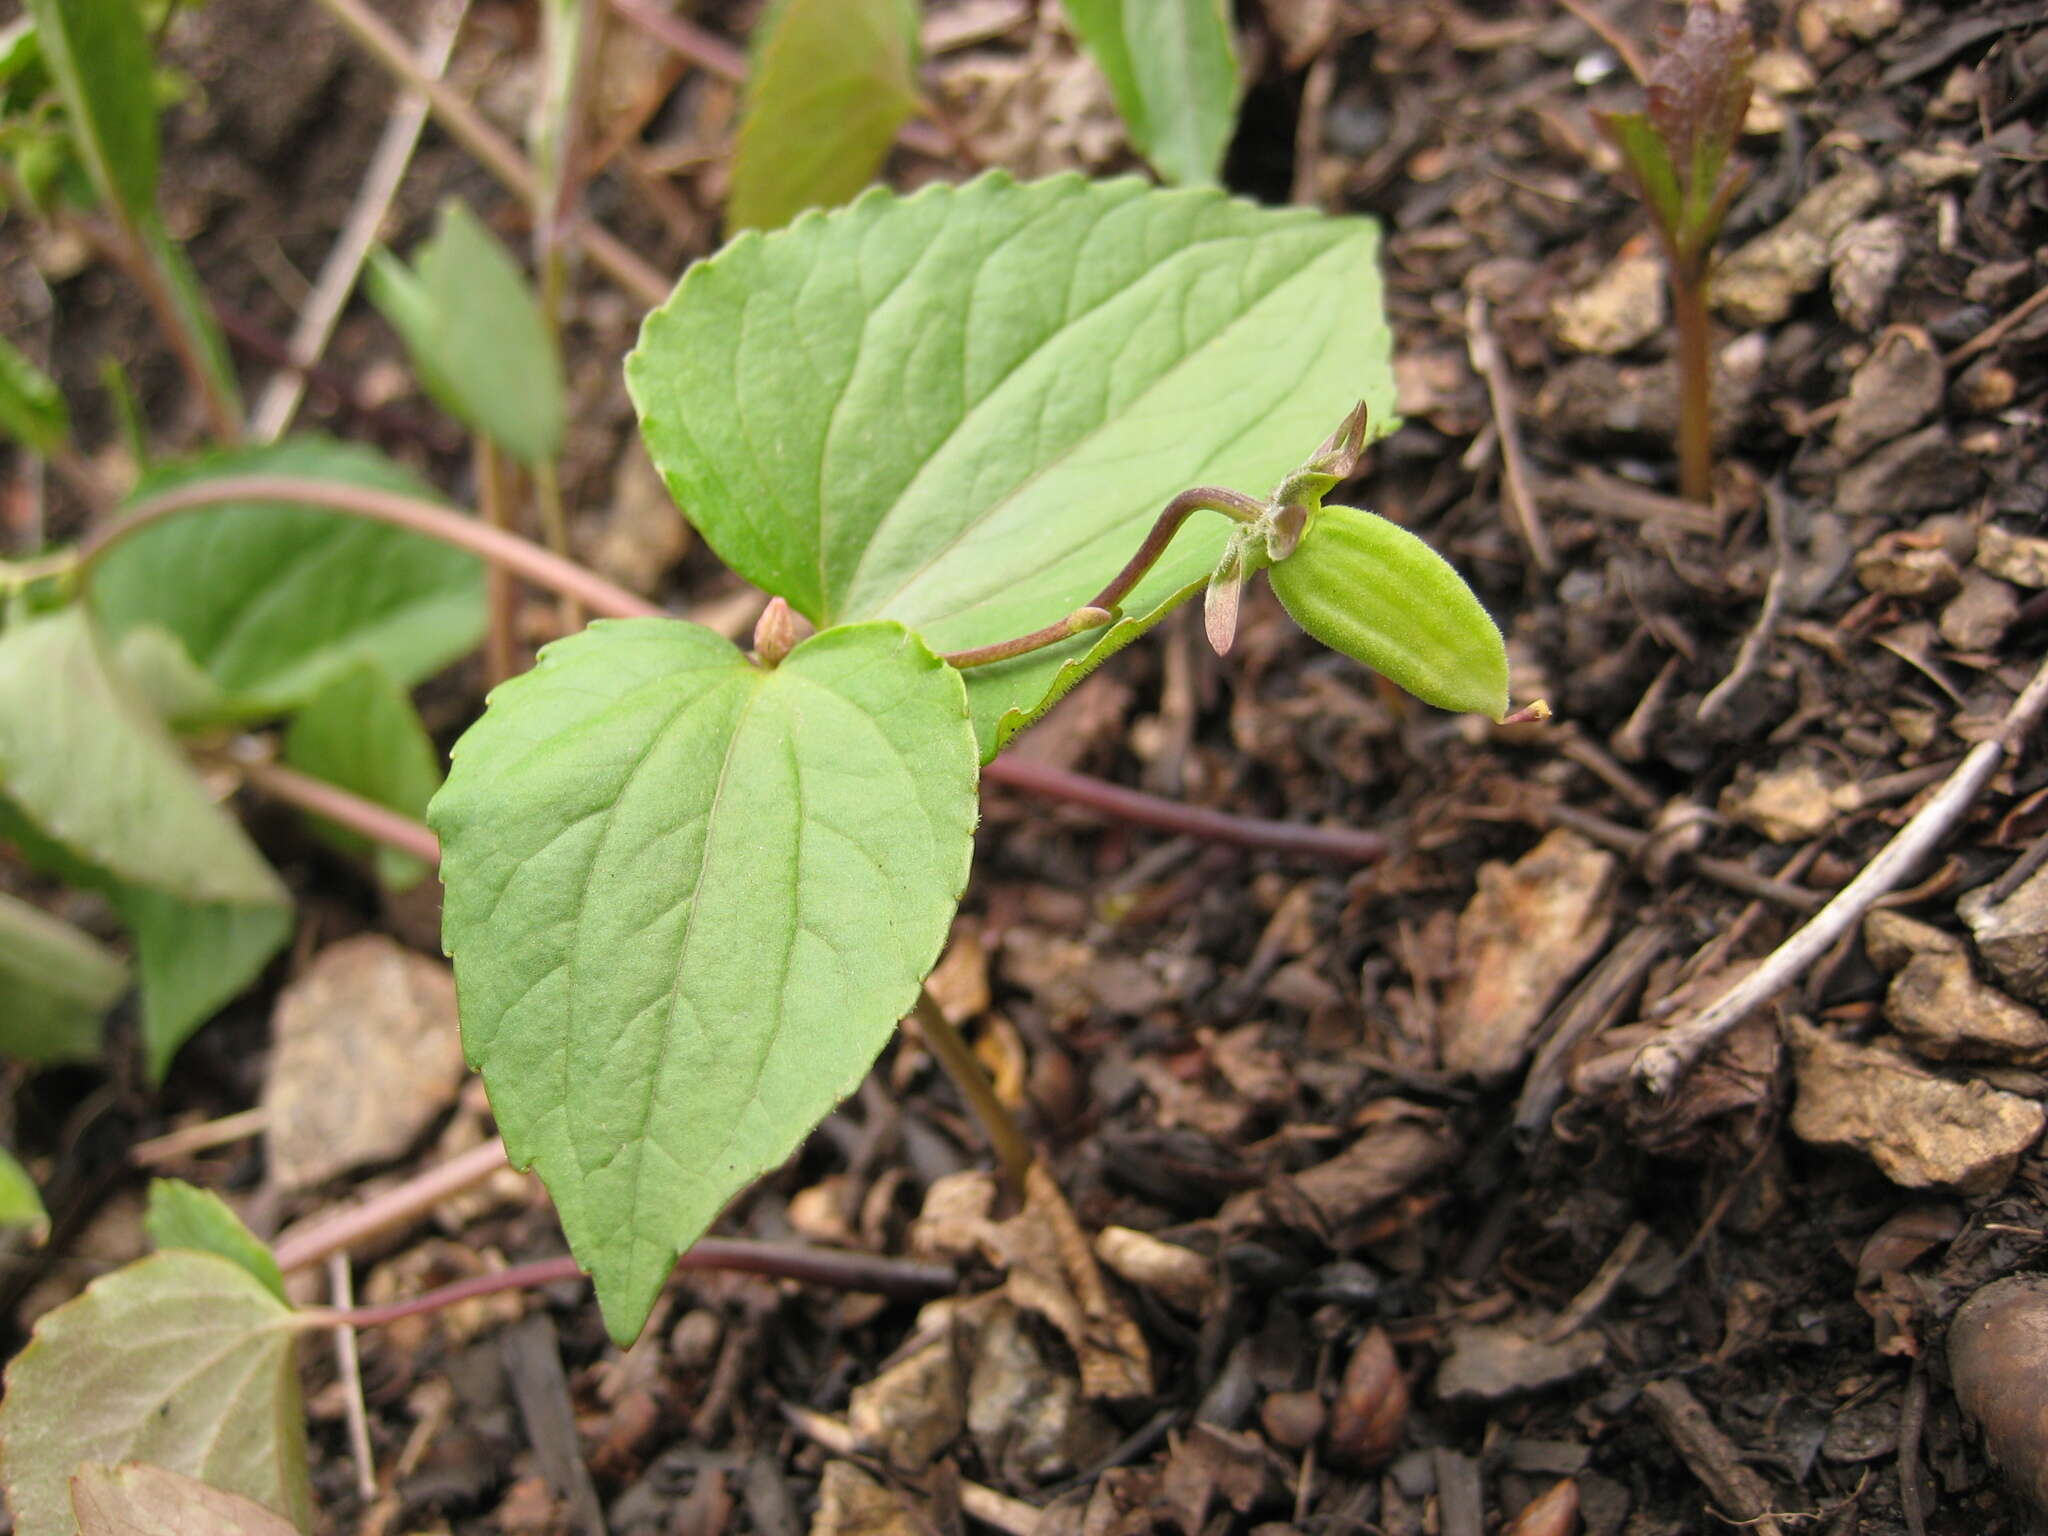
point(882, 606)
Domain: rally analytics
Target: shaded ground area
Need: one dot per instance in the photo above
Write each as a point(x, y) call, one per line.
point(1361, 1223)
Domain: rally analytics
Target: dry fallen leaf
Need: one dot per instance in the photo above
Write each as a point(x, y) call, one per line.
point(1526, 933)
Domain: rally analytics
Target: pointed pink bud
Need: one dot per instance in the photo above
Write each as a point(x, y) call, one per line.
point(774, 633)
point(1219, 606)
point(1342, 449)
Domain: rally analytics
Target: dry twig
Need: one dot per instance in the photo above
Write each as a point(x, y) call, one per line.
point(1660, 1064)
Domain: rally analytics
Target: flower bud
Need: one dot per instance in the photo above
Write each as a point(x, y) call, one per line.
point(1374, 591)
point(774, 633)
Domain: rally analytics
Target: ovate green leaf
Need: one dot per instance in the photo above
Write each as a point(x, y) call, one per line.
point(21, 1204)
point(87, 762)
point(275, 600)
point(362, 733)
point(183, 1360)
point(57, 982)
point(964, 409)
point(475, 334)
point(182, 1215)
point(1173, 70)
point(688, 901)
point(134, 1499)
point(32, 412)
point(832, 81)
point(98, 53)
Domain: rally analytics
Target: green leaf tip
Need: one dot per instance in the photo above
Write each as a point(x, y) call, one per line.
point(688, 900)
point(1374, 591)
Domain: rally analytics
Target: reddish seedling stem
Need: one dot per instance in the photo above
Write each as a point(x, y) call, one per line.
point(899, 1279)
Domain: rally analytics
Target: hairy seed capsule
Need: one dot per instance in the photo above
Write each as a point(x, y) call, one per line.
point(1374, 591)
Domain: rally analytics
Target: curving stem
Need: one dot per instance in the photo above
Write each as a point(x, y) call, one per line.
point(1102, 608)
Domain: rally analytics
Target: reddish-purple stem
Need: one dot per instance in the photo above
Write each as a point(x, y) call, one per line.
point(898, 1279)
point(1341, 844)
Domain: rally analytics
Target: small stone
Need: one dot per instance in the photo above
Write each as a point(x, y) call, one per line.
point(1864, 263)
point(1898, 569)
point(1860, 19)
point(1923, 472)
point(1758, 284)
point(1490, 1361)
point(1623, 307)
point(366, 1058)
point(1945, 1013)
point(1897, 388)
point(2013, 935)
point(1942, 166)
point(1997, 282)
point(1788, 805)
point(2020, 558)
point(1917, 728)
point(1027, 1415)
point(1985, 387)
point(1783, 72)
point(1892, 939)
point(1978, 616)
point(915, 1408)
point(1294, 1419)
point(851, 1503)
point(1180, 1276)
point(1922, 1131)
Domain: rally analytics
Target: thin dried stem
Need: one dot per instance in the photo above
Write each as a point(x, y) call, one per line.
point(336, 284)
point(497, 154)
point(1661, 1064)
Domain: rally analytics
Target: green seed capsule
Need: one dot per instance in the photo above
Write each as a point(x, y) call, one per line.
point(1374, 591)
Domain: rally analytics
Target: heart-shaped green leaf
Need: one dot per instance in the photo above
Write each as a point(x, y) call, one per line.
point(1374, 591)
point(184, 1360)
point(273, 601)
point(688, 900)
point(962, 410)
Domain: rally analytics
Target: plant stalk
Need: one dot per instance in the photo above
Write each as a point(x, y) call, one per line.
point(131, 250)
point(899, 1279)
point(501, 647)
point(554, 527)
point(953, 1054)
point(507, 550)
point(1102, 608)
point(1695, 383)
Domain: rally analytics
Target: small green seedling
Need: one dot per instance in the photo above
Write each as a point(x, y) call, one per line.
point(691, 890)
point(1677, 153)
